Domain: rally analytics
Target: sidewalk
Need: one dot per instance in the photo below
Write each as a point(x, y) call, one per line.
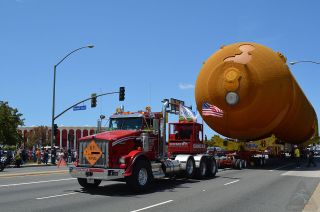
point(36, 165)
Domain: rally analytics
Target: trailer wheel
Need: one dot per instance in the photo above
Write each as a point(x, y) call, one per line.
point(240, 164)
point(211, 167)
point(202, 170)
point(244, 164)
point(190, 168)
point(141, 176)
point(83, 182)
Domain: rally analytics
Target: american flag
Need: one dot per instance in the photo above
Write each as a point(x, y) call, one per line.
point(211, 110)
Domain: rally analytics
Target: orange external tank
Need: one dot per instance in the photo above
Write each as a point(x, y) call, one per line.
point(257, 94)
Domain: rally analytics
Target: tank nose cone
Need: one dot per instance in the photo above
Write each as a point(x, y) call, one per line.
point(228, 84)
point(231, 79)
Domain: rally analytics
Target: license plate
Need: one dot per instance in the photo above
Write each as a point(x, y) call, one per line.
point(90, 180)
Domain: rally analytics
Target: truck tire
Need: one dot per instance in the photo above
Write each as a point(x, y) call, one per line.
point(83, 182)
point(212, 167)
point(238, 164)
point(190, 168)
point(2, 166)
point(141, 176)
point(202, 170)
point(244, 164)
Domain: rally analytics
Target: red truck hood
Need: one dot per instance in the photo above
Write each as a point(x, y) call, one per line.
point(112, 135)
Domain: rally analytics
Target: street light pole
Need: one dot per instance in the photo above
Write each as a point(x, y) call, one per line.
point(54, 89)
point(304, 61)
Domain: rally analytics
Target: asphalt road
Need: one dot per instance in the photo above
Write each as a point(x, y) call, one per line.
point(276, 188)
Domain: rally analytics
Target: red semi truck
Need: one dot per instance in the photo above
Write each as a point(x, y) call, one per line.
point(135, 149)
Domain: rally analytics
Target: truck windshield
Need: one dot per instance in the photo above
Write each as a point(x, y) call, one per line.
point(125, 124)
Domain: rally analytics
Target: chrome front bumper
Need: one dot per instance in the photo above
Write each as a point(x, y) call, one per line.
point(96, 173)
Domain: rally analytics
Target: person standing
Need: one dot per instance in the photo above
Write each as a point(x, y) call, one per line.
point(311, 158)
point(53, 156)
point(297, 156)
point(46, 156)
point(38, 155)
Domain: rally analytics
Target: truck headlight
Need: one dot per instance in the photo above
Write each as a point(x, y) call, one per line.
point(122, 160)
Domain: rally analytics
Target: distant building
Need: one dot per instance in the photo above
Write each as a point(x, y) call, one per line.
point(62, 135)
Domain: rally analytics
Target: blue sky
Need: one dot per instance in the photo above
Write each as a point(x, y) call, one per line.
point(153, 48)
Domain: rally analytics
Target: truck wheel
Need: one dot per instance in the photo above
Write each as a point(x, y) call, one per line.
point(190, 168)
point(1, 167)
point(244, 164)
point(141, 176)
point(211, 167)
point(239, 162)
point(83, 182)
point(202, 170)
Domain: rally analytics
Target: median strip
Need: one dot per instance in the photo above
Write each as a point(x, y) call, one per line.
point(151, 206)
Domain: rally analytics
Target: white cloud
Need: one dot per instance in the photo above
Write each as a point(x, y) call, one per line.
point(185, 86)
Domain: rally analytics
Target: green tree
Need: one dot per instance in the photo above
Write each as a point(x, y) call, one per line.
point(10, 119)
point(38, 136)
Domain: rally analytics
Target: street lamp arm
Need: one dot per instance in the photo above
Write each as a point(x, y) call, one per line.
point(304, 61)
point(90, 46)
point(54, 88)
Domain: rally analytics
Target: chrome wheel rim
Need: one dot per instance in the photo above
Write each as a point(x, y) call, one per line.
point(142, 177)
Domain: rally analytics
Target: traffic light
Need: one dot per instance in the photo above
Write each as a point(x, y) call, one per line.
point(55, 129)
point(121, 93)
point(93, 100)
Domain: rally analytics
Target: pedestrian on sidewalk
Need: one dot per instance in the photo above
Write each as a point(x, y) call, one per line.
point(53, 156)
point(46, 156)
point(38, 155)
point(310, 156)
point(34, 157)
point(297, 156)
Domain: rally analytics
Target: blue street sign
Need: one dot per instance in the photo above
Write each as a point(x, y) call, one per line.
point(82, 107)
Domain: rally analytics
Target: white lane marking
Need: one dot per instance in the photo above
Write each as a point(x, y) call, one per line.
point(232, 182)
point(151, 206)
point(281, 167)
point(59, 195)
point(37, 182)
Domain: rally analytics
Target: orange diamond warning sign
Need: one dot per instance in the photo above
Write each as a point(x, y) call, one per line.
point(92, 152)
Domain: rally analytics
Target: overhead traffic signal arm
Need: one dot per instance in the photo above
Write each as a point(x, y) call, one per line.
point(90, 98)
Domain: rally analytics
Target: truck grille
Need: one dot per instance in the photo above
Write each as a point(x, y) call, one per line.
point(102, 161)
